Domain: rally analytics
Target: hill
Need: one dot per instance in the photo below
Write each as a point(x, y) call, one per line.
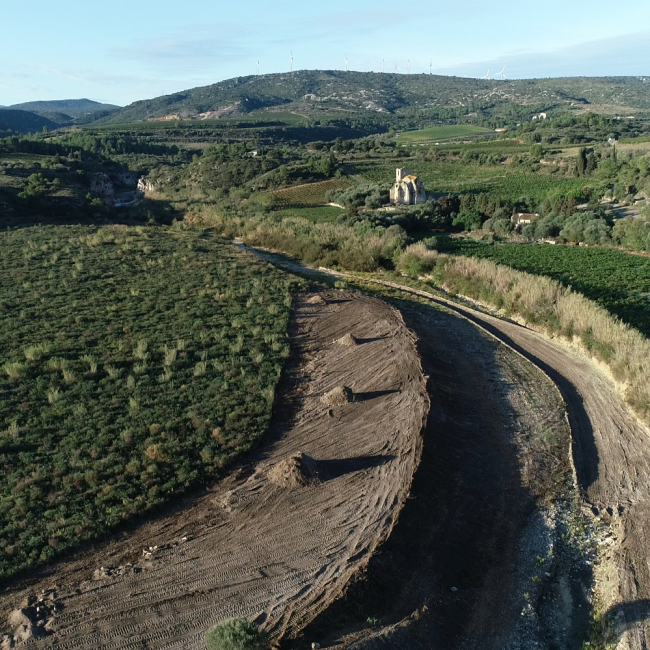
point(313, 92)
point(23, 122)
point(72, 107)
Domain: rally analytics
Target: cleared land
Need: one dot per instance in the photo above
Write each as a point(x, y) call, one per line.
point(611, 455)
point(612, 459)
point(251, 547)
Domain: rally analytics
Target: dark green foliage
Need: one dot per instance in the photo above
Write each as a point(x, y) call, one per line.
point(23, 122)
point(236, 634)
point(365, 195)
point(35, 187)
point(136, 363)
point(618, 281)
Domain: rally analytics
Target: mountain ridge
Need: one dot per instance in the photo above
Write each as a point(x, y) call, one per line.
point(313, 92)
point(75, 108)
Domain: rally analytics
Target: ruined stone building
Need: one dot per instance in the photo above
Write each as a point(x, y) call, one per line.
point(408, 189)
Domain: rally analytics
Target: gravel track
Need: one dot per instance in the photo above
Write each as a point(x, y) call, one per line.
point(249, 547)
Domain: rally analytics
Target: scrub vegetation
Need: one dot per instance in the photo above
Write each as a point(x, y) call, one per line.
point(137, 362)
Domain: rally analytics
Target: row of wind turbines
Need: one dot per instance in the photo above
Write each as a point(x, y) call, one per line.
point(499, 75)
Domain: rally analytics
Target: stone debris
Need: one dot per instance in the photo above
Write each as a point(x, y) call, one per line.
point(34, 618)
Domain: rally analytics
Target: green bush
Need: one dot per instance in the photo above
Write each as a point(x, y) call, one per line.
point(236, 634)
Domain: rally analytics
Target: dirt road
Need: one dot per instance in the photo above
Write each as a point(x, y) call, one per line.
point(612, 459)
point(611, 453)
point(260, 545)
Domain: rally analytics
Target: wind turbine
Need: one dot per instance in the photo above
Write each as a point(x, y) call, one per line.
point(346, 62)
point(501, 75)
point(382, 64)
point(258, 67)
point(408, 66)
point(487, 76)
point(430, 66)
point(291, 60)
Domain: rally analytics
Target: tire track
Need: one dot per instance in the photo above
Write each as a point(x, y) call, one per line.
point(251, 548)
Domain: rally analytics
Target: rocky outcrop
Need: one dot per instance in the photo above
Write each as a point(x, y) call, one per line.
point(130, 179)
point(101, 185)
point(145, 185)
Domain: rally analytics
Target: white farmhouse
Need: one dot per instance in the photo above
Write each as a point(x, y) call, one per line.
point(408, 189)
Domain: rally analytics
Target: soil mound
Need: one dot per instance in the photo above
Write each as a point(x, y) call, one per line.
point(338, 396)
point(296, 471)
point(317, 300)
point(348, 340)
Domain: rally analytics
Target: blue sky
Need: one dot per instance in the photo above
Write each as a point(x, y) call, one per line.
point(118, 51)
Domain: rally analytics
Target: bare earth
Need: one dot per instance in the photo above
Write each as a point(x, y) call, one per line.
point(612, 458)
point(276, 552)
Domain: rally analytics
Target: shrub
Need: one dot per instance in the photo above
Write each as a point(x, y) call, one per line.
point(236, 634)
point(417, 259)
point(545, 303)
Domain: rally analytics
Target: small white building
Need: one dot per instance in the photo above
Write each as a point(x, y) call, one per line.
point(408, 189)
point(521, 218)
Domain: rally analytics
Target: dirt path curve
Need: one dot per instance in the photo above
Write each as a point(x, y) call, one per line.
point(252, 547)
point(611, 455)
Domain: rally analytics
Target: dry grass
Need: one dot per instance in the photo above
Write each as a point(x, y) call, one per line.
point(558, 310)
point(417, 259)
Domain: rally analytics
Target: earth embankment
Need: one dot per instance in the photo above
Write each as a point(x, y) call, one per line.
point(611, 451)
point(277, 551)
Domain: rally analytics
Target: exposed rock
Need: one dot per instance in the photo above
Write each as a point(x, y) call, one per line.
point(102, 185)
point(145, 185)
point(317, 300)
point(338, 396)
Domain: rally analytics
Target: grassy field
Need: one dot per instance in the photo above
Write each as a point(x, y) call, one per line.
point(458, 176)
point(618, 281)
point(315, 214)
point(310, 193)
point(136, 363)
point(440, 133)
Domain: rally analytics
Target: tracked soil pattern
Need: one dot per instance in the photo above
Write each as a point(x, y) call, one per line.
point(277, 551)
point(612, 459)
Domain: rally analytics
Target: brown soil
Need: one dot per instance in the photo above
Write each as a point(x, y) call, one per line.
point(348, 340)
point(611, 451)
point(448, 576)
point(249, 547)
point(299, 470)
point(338, 396)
